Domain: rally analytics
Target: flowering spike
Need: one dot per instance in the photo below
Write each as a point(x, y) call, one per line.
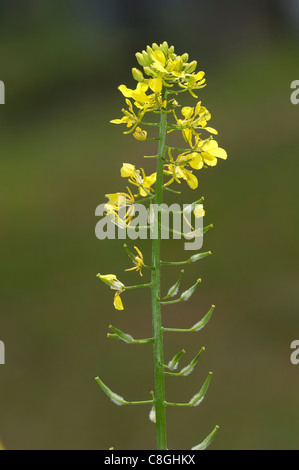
point(161, 79)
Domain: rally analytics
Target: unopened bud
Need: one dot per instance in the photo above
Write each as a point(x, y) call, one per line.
point(140, 59)
point(137, 75)
point(191, 67)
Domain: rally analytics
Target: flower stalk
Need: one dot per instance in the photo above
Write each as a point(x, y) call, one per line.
point(160, 406)
point(170, 75)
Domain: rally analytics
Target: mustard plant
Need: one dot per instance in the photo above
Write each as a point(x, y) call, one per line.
point(164, 78)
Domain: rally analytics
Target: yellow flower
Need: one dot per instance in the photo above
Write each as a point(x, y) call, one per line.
point(112, 281)
point(121, 206)
point(143, 182)
point(130, 118)
point(193, 82)
point(139, 94)
point(178, 170)
point(194, 118)
point(138, 261)
point(155, 84)
point(206, 152)
point(140, 134)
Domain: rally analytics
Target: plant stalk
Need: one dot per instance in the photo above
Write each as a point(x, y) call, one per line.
point(160, 406)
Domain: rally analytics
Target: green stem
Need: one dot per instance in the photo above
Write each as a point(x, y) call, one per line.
point(168, 302)
point(143, 402)
point(138, 286)
point(160, 406)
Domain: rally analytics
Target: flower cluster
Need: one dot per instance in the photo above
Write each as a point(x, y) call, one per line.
point(170, 74)
point(163, 77)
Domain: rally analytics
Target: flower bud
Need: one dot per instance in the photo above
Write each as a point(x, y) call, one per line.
point(149, 50)
point(137, 75)
point(191, 67)
point(140, 59)
point(165, 47)
point(149, 71)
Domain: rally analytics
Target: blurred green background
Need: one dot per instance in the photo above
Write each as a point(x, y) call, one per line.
point(61, 63)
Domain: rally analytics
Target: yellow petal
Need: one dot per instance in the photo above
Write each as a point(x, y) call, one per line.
point(191, 179)
point(140, 134)
point(211, 130)
point(187, 112)
point(159, 67)
point(196, 162)
point(198, 108)
point(117, 302)
point(219, 153)
point(149, 180)
point(119, 121)
point(209, 159)
point(199, 76)
point(158, 56)
point(127, 92)
point(127, 170)
point(155, 84)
